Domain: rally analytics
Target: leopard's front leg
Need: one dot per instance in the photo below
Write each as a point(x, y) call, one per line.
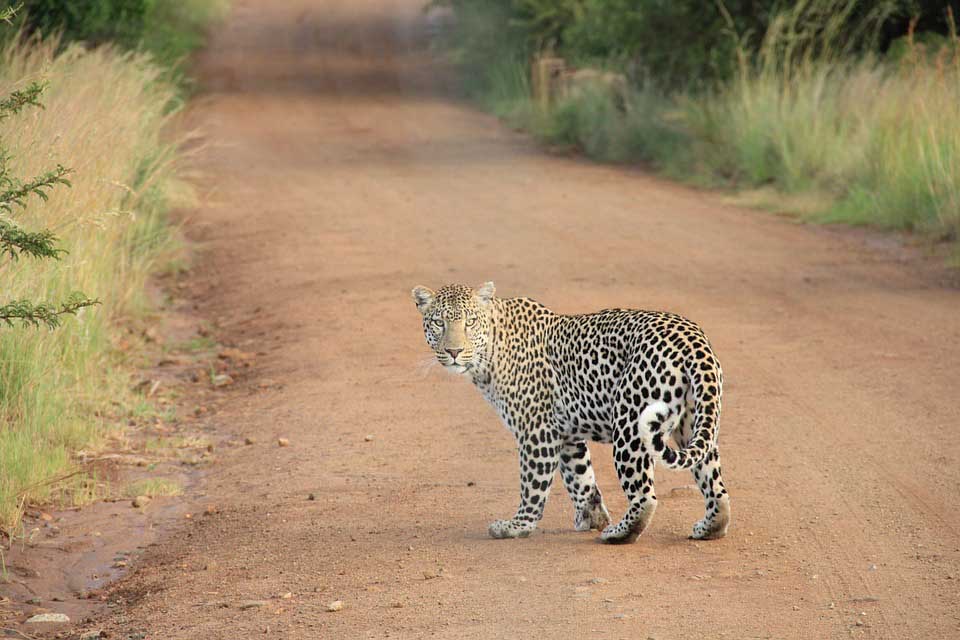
point(539, 456)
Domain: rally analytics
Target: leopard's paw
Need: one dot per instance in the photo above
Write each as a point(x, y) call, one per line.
point(594, 516)
point(501, 529)
point(620, 533)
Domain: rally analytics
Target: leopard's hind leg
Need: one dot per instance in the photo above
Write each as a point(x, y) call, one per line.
point(709, 480)
point(635, 466)
point(716, 500)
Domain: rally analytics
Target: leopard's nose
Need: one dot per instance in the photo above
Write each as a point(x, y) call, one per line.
point(454, 352)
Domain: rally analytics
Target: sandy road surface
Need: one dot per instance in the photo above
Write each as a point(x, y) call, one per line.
point(344, 175)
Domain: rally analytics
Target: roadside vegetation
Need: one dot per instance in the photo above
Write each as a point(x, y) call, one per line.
point(841, 110)
point(109, 95)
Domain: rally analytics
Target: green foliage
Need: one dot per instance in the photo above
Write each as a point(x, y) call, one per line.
point(678, 45)
point(17, 100)
point(94, 21)
point(36, 314)
point(167, 29)
point(798, 109)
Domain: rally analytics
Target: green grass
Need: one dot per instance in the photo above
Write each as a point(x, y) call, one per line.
point(844, 138)
point(153, 488)
point(63, 390)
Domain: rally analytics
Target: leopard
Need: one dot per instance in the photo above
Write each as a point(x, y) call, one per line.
point(648, 382)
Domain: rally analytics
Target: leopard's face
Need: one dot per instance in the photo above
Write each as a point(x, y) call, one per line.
point(456, 323)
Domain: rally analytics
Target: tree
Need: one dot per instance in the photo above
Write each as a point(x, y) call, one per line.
point(17, 242)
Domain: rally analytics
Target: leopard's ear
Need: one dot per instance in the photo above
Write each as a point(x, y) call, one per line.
point(423, 297)
point(485, 292)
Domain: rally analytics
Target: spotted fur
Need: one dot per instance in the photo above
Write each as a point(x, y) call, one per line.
point(633, 378)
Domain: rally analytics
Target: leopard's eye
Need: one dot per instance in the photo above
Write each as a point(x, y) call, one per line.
point(471, 320)
point(436, 323)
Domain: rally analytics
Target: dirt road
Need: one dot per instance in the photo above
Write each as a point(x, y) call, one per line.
point(344, 174)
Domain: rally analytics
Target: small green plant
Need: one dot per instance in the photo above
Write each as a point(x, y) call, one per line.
point(153, 488)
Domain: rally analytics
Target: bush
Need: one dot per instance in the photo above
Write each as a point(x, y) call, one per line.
point(93, 21)
point(167, 29)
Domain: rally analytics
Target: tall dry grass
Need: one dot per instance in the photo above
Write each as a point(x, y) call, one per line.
point(104, 113)
point(825, 131)
point(879, 140)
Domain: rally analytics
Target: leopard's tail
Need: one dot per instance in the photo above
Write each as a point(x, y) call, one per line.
point(658, 420)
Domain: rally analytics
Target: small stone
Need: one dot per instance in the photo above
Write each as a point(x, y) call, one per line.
point(283, 442)
point(796, 608)
point(396, 605)
point(49, 617)
point(222, 380)
point(211, 510)
point(336, 605)
point(287, 595)
point(119, 564)
point(368, 438)
point(266, 383)
point(91, 635)
point(34, 601)
point(620, 616)
point(140, 501)
point(311, 497)
point(873, 567)
point(252, 604)
point(859, 623)
point(248, 440)
point(598, 581)
point(231, 353)
point(471, 483)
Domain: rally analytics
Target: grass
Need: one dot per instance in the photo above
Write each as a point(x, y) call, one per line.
point(63, 390)
point(153, 488)
point(820, 132)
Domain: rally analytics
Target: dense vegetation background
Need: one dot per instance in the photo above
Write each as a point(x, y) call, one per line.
point(166, 29)
point(845, 110)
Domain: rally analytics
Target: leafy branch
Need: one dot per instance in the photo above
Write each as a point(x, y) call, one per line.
point(16, 192)
point(38, 244)
point(6, 15)
point(17, 100)
point(36, 314)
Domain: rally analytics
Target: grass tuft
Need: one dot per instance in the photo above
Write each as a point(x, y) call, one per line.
point(153, 488)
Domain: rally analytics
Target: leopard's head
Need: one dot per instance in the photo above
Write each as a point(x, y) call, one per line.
point(456, 323)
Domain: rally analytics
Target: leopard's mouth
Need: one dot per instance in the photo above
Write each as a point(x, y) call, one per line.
point(457, 367)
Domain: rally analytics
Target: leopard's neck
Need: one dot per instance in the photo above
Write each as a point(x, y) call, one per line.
point(501, 361)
